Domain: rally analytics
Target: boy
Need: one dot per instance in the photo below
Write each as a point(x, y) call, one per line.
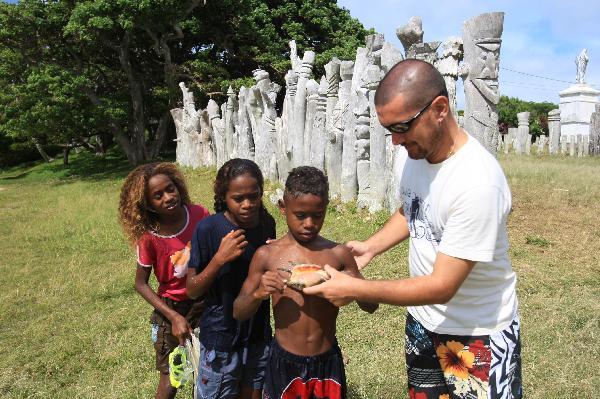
point(305, 359)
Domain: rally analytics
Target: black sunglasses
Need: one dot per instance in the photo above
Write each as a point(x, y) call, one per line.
point(404, 126)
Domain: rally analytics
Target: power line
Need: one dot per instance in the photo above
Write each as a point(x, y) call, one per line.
point(543, 77)
point(518, 84)
point(536, 76)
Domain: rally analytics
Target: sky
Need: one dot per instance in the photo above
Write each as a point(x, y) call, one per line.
point(540, 38)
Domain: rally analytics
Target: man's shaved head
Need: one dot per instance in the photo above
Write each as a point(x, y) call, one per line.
point(417, 81)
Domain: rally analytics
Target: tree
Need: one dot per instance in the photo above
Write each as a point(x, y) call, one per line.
point(509, 107)
point(83, 68)
point(257, 36)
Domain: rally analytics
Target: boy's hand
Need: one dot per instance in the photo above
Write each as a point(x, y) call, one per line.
point(270, 283)
point(361, 252)
point(180, 329)
point(336, 290)
point(232, 246)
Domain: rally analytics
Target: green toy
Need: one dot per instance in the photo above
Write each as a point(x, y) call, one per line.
point(180, 367)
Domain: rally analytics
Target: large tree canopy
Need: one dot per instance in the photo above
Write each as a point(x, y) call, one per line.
point(74, 69)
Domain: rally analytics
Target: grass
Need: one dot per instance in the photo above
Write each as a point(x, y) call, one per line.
point(73, 326)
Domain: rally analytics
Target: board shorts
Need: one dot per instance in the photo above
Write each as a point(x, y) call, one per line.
point(163, 340)
point(291, 376)
point(460, 367)
point(223, 373)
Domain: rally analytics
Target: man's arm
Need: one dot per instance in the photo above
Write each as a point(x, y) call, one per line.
point(258, 286)
point(392, 233)
point(351, 269)
point(439, 287)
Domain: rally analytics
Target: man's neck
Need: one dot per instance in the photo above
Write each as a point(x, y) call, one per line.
point(450, 143)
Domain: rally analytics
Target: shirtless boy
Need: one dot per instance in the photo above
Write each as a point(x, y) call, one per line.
point(305, 359)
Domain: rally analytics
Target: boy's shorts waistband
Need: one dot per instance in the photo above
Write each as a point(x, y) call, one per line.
point(279, 351)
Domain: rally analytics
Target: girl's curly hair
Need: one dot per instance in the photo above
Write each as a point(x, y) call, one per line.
point(134, 214)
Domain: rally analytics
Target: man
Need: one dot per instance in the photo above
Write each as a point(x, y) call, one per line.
point(462, 328)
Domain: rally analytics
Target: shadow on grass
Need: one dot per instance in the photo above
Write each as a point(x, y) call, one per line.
point(18, 176)
point(353, 393)
point(86, 166)
point(82, 166)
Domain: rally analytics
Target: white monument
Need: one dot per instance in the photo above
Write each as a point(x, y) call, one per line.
point(577, 103)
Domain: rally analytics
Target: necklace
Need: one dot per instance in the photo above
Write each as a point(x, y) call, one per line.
point(451, 152)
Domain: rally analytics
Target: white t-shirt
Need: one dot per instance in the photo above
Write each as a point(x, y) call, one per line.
point(460, 207)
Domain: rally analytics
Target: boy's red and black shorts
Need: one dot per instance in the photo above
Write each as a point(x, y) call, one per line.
point(162, 338)
point(292, 376)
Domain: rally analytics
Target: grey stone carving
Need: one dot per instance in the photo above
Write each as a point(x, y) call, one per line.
point(299, 114)
point(523, 136)
point(262, 102)
point(411, 33)
point(333, 125)
point(481, 42)
point(581, 64)
point(554, 131)
point(447, 64)
point(319, 138)
point(542, 143)
point(312, 96)
point(362, 147)
point(424, 51)
point(344, 122)
point(594, 145)
point(216, 123)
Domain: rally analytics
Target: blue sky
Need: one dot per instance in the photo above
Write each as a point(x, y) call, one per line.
point(540, 38)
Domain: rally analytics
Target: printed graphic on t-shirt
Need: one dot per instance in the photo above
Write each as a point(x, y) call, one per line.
point(417, 212)
point(180, 260)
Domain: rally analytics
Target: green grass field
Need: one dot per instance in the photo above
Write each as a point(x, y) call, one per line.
point(74, 327)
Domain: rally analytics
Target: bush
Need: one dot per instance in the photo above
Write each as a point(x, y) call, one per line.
point(13, 153)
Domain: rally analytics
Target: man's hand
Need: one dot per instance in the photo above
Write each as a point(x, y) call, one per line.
point(270, 283)
point(180, 329)
point(361, 252)
point(336, 290)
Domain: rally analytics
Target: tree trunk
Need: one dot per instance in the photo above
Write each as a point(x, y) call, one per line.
point(161, 133)
point(137, 150)
point(66, 152)
point(40, 149)
point(117, 132)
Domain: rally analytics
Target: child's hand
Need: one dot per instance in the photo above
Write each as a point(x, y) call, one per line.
point(232, 246)
point(181, 329)
point(270, 283)
point(361, 252)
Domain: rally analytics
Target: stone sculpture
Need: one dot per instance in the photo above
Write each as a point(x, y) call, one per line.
point(481, 43)
point(411, 33)
point(344, 122)
point(447, 64)
point(554, 131)
point(333, 125)
point(523, 135)
point(299, 114)
point(594, 146)
point(316, 157)
point(581, 63)
point(217, 126)
point(362, 146)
